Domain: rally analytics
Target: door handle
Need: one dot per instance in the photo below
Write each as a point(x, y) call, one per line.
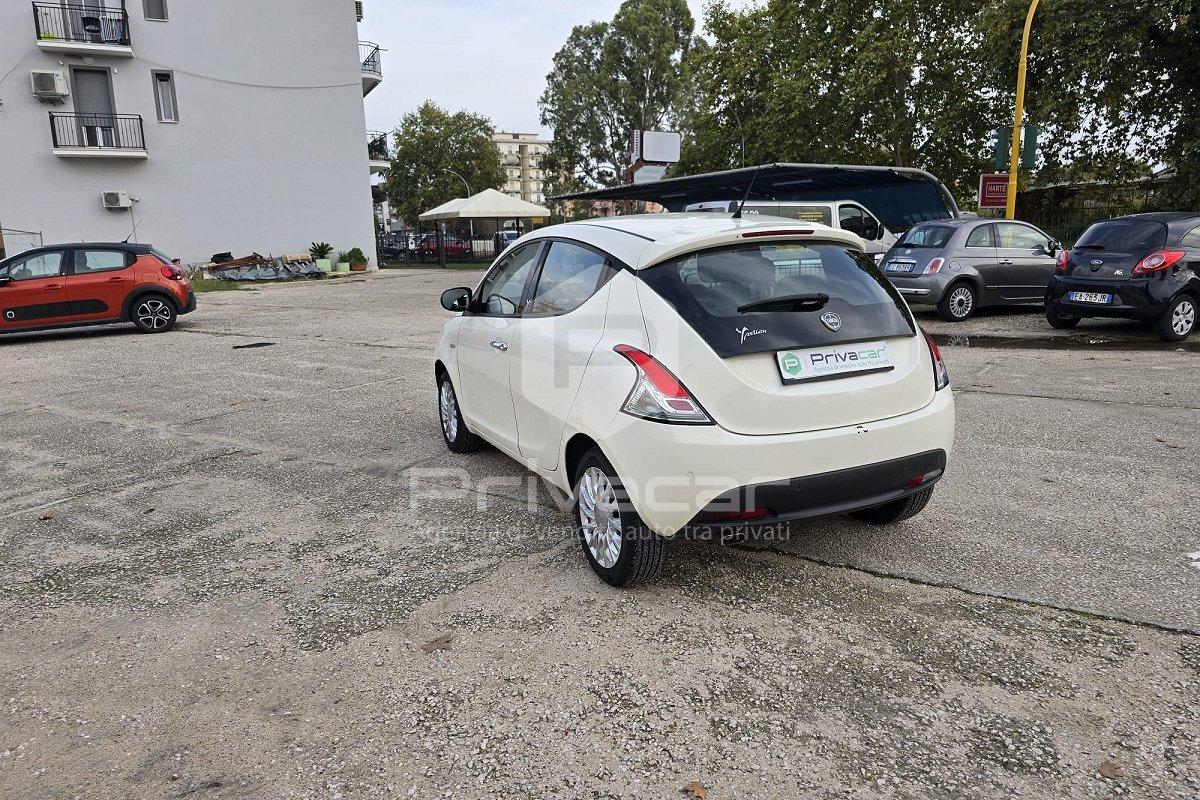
point(1006, 262)
point(117, 279)
point(54, 287)
point(500, 345)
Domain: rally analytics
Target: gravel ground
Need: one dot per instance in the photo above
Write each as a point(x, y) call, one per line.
point(222, 574)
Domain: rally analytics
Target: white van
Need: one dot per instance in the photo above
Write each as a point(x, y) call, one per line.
point(844, 214)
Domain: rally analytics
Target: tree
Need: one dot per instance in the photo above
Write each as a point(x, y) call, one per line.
point(609, 79)
point(858, 81)
point(431, 145)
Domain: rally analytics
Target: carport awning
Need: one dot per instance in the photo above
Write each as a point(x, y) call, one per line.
point(899, 196)
point(488, 204)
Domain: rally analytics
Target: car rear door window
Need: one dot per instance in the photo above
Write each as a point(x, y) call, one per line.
point(708, 288)
point(88, 261)
point(502, 292)
point(569, 277)
point(42, 265)
point(981, 237)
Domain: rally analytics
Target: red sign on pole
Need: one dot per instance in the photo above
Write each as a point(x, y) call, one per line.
point(993, 191)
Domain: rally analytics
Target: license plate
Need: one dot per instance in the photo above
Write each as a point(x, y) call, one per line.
point(833, 361)
point(895, 266)
point(1089, 297)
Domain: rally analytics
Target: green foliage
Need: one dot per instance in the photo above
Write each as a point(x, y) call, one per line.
point(609, 79)
point(857, 81)
point(343, 257)
point(320, 250)
point(430, 142)
point(356, 256)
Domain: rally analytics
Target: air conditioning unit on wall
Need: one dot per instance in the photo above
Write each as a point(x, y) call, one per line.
point(116, 200)
point(50, 84)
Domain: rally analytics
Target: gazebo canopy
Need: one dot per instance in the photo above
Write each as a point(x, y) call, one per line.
point(488, 204)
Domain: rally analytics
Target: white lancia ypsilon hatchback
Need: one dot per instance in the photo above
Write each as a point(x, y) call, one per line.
point(696, 373)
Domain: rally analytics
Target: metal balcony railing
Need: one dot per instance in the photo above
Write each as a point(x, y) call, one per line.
point(58, 22)
point(371, 57)
point(379, 146)
point(97, 131)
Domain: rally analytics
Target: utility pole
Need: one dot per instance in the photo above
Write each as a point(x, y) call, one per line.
point(1010, 210)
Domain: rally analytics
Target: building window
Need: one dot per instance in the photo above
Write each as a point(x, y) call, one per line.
point(164, 97)
point(155, 9)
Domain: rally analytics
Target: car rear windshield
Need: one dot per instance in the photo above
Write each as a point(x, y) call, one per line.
point(708, 287)
point(926, 236)
point(1124, 235)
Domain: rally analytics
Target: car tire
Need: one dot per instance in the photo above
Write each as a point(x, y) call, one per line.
point(599, 495)
point(454, 429)
point(1059, 322)
point(153, 313)
point(897, 510)
point(958, 303)
point(1179, 320)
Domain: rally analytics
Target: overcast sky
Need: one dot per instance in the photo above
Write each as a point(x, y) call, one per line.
point(487, 56)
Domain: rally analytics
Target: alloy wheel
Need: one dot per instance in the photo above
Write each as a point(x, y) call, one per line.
point(154, 314)
point(1184, 318)
point(600, 517)
point(448, 406)
point(961, 302)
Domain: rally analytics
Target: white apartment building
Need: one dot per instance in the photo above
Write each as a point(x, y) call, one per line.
point(210, 126)
point(521, 154)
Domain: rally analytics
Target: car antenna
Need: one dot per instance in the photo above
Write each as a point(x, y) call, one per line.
point(738, 214)
point(132, 232)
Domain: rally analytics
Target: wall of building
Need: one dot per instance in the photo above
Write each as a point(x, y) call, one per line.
point(521, 154)
point(269, 153)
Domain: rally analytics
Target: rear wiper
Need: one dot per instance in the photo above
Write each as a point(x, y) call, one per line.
point(793, 302)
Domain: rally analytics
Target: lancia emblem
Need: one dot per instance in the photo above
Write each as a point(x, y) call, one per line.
point(831, 321)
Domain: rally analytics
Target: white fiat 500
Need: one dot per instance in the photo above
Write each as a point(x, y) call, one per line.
point(693, 372)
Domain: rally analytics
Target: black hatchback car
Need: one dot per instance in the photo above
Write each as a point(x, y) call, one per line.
point(1144, 267)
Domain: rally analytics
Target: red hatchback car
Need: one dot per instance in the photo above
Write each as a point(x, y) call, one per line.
point(71, 285)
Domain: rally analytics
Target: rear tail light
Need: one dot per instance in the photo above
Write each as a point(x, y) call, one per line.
point(1064, 258)
point(941, 378)
point(1158, 261)
point(934, 266)
point(172, 273)
point(657, 394)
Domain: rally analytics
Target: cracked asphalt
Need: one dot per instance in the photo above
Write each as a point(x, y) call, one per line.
point(224, 573)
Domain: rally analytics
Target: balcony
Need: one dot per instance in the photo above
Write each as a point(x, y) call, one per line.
point(371, 57)
point(82, 30)
point(98, 136)
point(379, 150)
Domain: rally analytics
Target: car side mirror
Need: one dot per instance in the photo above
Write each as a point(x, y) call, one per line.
point(456, 299)
point(5, 280)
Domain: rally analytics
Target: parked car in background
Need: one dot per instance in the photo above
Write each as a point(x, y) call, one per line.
point(1144, 267)
point(961, 265)
point(689, 371)
point(454, 247)
point(63, 286)
point(503, 238)
point(844, 214)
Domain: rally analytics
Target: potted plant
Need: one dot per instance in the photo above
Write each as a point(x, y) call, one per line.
point(343, 262)
point(357, 259)
point(320, 252)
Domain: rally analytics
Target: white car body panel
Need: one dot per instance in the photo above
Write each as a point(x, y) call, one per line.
point(560, 378)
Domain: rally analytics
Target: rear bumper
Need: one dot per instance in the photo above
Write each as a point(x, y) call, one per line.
point(924, 290)
point(1143, 299)
point(674, 472)
point(838, 492)
point(190, 304)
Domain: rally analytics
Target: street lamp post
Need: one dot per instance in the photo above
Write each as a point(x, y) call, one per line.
point(470, 223)
point(1014, 162)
